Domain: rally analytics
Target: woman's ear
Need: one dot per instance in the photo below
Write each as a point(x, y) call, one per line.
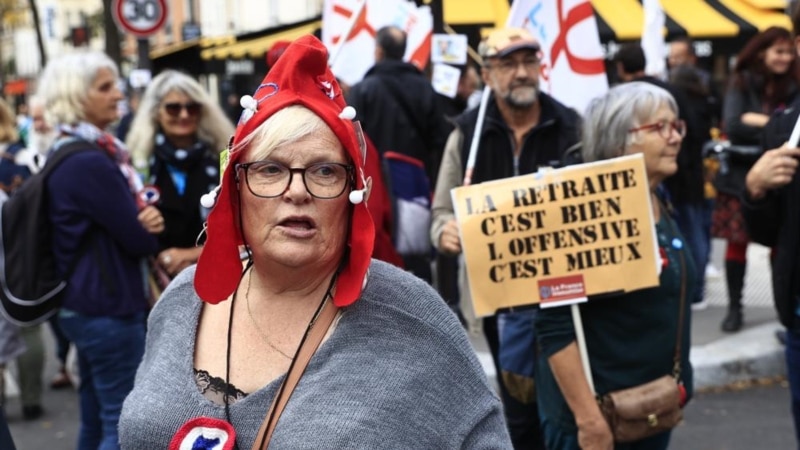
point(368, 188)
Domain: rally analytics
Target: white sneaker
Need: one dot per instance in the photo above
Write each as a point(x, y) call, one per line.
point(712, 272)
point(699, 306)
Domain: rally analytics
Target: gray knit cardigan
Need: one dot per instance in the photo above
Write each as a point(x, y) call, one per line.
point(398, 372)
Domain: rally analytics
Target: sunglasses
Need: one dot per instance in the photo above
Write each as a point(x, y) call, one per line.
point(174, 109)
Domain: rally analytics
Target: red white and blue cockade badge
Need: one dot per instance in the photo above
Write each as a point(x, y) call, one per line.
point(148, 195)
point(204, 433)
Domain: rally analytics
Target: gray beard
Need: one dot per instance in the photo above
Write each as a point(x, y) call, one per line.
point(41, 142)
point(521, 104)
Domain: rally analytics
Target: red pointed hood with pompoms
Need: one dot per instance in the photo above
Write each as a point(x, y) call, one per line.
point(300, 77)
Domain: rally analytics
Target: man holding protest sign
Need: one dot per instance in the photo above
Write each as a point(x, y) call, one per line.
point(524, 129)
point(635, 337)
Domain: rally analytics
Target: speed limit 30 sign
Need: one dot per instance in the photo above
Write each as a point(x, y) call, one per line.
point(140, 17)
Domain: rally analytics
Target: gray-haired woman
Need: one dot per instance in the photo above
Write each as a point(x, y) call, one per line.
point(631, 337)
point(100, 237)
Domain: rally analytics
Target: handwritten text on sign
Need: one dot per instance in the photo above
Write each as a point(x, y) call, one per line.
point(593, 220)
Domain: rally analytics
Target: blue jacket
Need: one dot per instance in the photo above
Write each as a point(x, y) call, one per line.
point(94, 218)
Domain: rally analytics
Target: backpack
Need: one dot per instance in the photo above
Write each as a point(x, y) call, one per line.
point(30, 285)
point(410, 196)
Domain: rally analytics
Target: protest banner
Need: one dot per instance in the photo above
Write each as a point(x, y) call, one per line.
point(558, 235)
point(573, 68)
point(352, 39)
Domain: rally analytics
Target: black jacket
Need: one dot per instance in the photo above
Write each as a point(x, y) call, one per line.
point(545, 145)
point(774, 221)
point(421, 132)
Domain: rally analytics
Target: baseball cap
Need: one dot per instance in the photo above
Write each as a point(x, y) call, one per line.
point(504, 41)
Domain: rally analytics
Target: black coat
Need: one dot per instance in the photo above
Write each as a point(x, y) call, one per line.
point(775, 222)
point(418, 130)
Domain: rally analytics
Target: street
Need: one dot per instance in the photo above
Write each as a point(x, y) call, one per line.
point(748, 418)
point(743, 418)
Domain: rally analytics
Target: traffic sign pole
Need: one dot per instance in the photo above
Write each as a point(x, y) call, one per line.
point(143, 46)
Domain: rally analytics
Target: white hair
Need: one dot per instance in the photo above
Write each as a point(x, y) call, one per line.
point(609, 117)
point(65, 83)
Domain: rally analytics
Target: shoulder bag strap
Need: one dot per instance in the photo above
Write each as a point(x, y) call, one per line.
point(676, 359)
point(304, 354)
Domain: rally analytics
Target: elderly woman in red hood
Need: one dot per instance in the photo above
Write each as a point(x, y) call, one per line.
point(309, 343)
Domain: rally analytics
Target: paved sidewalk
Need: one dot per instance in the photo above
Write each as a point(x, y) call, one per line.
point(721, 359)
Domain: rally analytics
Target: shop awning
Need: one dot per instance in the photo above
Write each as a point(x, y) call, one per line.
point(621, 20)
point(468, 12)
point(185, 56)
point(258, 45)
point(197, 43)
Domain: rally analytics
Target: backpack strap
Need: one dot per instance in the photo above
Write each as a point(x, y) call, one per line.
point(64, 148)
point(61, 150)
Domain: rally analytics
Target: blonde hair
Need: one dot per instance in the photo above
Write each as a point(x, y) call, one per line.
point(213, 126)
point(287, 125)
point(8, 124)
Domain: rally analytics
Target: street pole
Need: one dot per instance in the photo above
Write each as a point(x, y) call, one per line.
point(143, 46)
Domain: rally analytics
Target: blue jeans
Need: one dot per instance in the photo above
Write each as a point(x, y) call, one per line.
point(793, 373)
point(517, 357)
point(109, 352)
point(694, 222)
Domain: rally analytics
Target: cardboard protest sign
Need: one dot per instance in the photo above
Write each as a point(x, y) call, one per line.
point(558, 236)
point(445, 79)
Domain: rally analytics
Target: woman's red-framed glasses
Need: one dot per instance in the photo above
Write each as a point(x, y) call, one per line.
point(664, 128)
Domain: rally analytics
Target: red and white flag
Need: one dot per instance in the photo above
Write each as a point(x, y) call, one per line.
point(354, 53)
point(655, 50)
point(573, 68)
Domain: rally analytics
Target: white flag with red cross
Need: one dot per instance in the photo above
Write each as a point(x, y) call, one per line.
point(354, 53)
point(573, 68)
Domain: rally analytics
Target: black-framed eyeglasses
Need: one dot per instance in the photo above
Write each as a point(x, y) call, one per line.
point(664, 128)
point(269, 179)
point(174, 108)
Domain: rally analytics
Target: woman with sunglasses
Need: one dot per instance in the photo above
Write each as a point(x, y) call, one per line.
point(631, 337)
point(360, 354)
point(175, 139)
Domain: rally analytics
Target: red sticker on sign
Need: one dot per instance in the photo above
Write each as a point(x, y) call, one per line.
point(562, 291)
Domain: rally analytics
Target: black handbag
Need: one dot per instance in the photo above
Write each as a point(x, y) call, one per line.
point(734, 163)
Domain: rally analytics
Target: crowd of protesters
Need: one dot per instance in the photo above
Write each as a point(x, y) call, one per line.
point(314, 191)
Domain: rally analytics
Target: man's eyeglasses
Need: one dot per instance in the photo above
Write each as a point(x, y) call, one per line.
point(508, 65)
point(268, 179)
point(664, 128)
point(174, 109)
